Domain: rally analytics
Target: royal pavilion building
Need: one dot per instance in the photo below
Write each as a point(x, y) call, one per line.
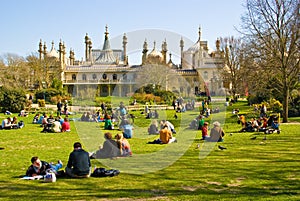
point(107, 71)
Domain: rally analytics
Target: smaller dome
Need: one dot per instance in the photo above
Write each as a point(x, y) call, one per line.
point(53, 52)
point(154, 53)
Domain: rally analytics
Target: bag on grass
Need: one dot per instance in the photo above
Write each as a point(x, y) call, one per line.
point(50, 177)
point(102, 172)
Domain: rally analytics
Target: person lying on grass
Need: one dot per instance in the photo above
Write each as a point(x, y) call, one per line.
point(39, 167)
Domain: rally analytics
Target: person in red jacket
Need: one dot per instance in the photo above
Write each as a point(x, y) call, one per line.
point(65, 127)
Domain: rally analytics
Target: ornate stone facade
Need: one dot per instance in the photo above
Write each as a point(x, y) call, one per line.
point(107, 72)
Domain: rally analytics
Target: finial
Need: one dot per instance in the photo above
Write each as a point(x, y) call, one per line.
point(199, 32)
point(106, 32)
point(181, 42)
point(154, 45)
point(145, 46)
point(124, 38)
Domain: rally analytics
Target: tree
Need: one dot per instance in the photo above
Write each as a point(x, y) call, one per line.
point(272, 30)
point(44, 71)
point(232, 72)
point(15, 74)
point(13, 100)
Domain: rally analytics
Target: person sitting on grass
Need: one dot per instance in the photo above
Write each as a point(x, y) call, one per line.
point(39, 167)
point(123, 145)
point(127, 129)
point(65, 127)
point(153, 129)
point(205, 131)
point(79, 164)
point(216, 133)
point(109, 148)
point(165, 135)
point(107, 123)
point(56, 126)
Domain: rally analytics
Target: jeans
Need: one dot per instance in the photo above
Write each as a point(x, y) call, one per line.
point(56, 167)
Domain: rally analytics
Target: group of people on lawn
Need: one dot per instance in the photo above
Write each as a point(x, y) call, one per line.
point(52, 124)
point(79, 164)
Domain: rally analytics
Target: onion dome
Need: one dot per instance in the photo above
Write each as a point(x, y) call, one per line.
point(53, 52)
point(155, 55)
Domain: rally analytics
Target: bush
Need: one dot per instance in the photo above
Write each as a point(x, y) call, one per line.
point(48, 94)
point(13, 100)
point(293, 112)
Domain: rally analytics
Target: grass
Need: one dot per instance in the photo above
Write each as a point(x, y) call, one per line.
point(247, 170)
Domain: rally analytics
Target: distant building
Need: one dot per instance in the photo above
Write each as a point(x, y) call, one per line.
point(107, 72)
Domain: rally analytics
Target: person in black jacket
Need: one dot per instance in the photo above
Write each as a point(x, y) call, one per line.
point(79, 164)
point(39, 167)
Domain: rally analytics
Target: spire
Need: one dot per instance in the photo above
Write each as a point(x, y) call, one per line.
point(154, 45)
point(52, 47)
point(199, 32)
point(218, 44)
point(181, 43)
point(145, 46)
point(107, 56)
point(124, 49)
point(106, 45)
point(106, 32)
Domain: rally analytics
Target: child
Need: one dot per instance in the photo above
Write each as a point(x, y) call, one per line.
point(205, 131)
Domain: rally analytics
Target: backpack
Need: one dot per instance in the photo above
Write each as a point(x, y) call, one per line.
point(50, 177)
point(102, 172)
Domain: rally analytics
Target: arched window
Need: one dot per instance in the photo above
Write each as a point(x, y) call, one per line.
point(205, 75)
point(115, 77)
point(94, 76)
point(104, 76)
point(84, 77)
point(73, 77)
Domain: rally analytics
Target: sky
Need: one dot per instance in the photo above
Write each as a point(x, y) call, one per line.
point(25, 23)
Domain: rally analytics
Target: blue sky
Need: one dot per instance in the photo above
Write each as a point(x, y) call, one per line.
point(24, 23)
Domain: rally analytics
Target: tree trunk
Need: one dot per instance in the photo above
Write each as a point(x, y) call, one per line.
point(285, 105)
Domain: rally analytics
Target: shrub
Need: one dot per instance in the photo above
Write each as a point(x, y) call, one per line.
point(13, 100)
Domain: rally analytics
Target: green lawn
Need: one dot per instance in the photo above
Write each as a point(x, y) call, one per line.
point(247, 170)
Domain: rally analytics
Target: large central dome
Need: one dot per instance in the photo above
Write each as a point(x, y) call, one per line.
point(155, 56)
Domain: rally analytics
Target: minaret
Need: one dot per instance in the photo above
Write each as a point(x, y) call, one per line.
point(60, 51)
point(45, 50)
point(200, 54)
point(86, 41)
point(63, 53)
point(90, 50)
point(181, 51)
point(145, 50)
point(40, 49)
point(164, 51)
point(218, 44)
point(72, 58)
point(124, 49)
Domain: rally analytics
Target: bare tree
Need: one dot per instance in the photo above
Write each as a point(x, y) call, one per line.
point(14, 72)
point(272, 29)
point(232, 72)
point(43, 71)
